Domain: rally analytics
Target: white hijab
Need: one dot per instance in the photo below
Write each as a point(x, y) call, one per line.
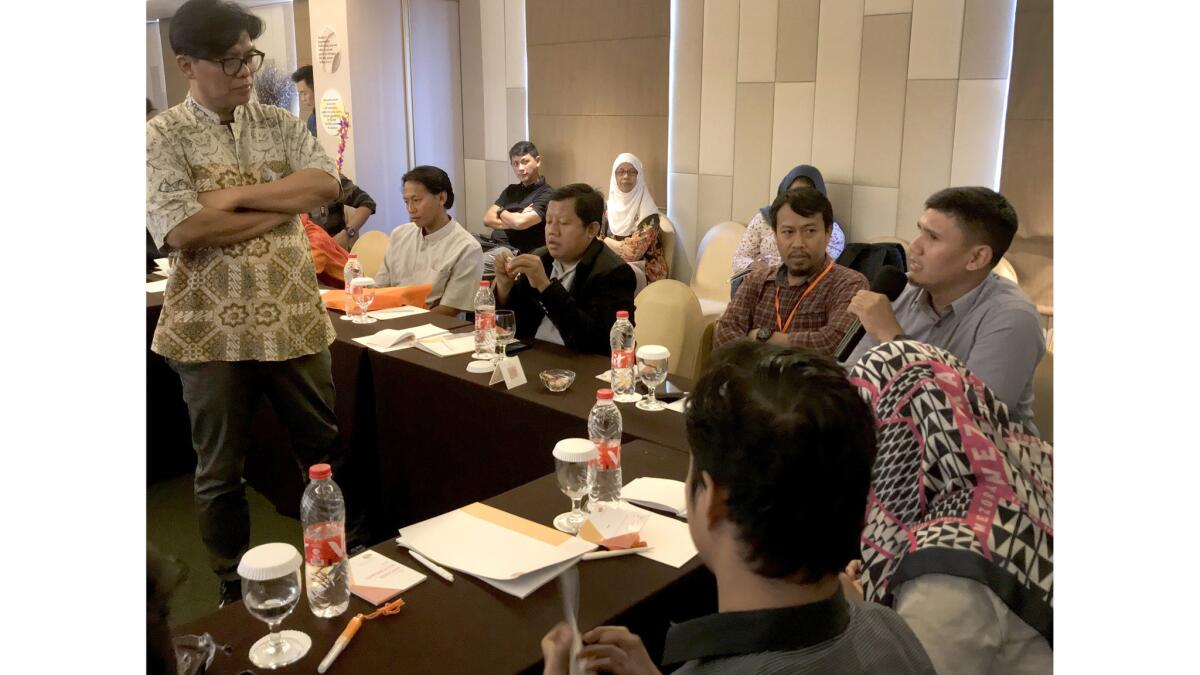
point(627, 209)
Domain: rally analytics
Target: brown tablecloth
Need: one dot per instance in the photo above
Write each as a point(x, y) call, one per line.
point(470, 627)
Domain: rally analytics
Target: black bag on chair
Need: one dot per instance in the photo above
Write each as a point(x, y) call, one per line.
point(871, 258)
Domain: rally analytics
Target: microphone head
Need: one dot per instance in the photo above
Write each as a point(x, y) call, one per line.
point(890, 281)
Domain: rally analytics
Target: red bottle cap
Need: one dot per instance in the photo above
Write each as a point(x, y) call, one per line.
point(604, 394)
point(485, 283)
point(319, 471)
point(622, 314)
point(353, 255)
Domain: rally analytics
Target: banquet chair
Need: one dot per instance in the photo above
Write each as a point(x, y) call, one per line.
point(1005, 269)
point(1043, 397)
point(370, 249)
point(668, 243)
point(668, 314)
point(714, 266)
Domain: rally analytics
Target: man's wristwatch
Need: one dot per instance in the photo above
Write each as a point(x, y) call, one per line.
point(351, 232)
point(764, 334)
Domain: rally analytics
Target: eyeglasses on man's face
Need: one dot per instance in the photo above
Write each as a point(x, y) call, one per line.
point(232, 65)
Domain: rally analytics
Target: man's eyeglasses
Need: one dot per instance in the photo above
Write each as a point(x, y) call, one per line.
point(233, 64)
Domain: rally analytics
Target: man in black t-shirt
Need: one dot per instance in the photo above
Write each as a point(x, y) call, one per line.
point(518, 217)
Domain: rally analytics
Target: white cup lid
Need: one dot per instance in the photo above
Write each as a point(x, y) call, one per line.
point(269, 561)
point(653, 352)
point(362, 281)
point(575, 450)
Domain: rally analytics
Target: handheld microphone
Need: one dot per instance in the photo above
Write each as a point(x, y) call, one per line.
point(891, 282)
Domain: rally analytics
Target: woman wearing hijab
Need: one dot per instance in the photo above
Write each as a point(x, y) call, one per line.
point(633, 229)
point(959, 534)
point(758, 243)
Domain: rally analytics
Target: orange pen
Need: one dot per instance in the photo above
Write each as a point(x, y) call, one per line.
point(352, 628)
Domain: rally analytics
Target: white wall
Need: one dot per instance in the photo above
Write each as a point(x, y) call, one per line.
point(278, 40)
point(437, 91)
point(156, 83)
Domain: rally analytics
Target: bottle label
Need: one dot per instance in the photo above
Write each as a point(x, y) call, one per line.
point(325, 551)
point(622, 358)
point(484, 321)
point(609, 455)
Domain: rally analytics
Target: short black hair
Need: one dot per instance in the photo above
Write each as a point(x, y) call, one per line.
point(984, 215)
point(805, 201)
point(209, 28)
point(589, 204)
point(789, 438)
point(434, 179)
point(303, 73)
point(522, 148)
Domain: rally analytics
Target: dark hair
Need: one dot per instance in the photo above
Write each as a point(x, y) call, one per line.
point(984, 215)
point(208, 28)
point(522, 148)
point(805, 201)
point(589, 205)
point(805, 181)
point(434, 179)
point(789, 438)
point(149, 106)
point(303, 73)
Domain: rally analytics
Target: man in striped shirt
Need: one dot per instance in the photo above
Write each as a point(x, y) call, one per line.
point(802, 301)
point(782, 449)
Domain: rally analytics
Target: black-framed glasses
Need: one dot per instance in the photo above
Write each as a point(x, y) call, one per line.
point(233, 65)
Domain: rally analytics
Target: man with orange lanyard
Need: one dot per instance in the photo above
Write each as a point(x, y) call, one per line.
point(802, 301)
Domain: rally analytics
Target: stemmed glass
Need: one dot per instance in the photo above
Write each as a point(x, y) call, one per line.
point(571, 458)
point(506, 332)
point(652, 369)
point(270, 590)
point(363, 290)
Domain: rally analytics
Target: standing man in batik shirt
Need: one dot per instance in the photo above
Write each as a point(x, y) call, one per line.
point(242, 317)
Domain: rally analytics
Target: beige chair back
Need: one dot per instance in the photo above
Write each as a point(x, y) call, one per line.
point(1005, 269)
point(370, 249)
point(714, 266)
point(1043, 397)
point(668, 242)
point(668, 314)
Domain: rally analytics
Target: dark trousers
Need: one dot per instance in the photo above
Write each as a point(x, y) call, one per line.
point(221, 398)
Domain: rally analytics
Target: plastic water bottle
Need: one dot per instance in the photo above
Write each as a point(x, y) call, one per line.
point(350, 272)
point(623, 345)
point(485, 322)
point(604, 429)
point(323, 514)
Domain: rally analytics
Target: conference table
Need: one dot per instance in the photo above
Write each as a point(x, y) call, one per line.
point(422, 435)
point(469, 626)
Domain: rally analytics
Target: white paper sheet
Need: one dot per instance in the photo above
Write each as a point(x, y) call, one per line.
point(678, 406)
point(397, 312)
point(509, 560)
point(663, 494)
point(448, 345)
point(670, 538)
point(391, 339)
point(156, 286)
point(606, 376)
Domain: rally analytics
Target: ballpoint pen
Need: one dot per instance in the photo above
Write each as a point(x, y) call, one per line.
point(351, 628)
point(431, 566)
point(599, 555)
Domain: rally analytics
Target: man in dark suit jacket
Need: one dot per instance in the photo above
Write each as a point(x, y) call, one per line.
point(569, 291)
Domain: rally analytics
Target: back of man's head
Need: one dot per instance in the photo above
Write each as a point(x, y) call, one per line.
point(303, 74)
point(788, 444)
point(208, 28)
point(522, 148)
point(984, 215)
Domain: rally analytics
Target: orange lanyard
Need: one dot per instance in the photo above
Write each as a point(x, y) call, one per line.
point(783, 327)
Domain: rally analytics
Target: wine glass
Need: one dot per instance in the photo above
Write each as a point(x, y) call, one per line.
point(270, 590)
point(571, 459)
point(652, 369)
point(506, 332)
point(363, 290)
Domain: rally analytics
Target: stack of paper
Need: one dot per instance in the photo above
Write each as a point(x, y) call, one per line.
point(511, 553)
point(397, 312)
point(156, 286)
point(669, 540)
point(391, 339)
point(450, 344)
point(663, 494)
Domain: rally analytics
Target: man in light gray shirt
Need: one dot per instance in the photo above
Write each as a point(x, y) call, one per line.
point(955, 301)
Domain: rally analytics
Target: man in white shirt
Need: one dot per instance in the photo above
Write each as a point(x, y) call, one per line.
point(433, 249)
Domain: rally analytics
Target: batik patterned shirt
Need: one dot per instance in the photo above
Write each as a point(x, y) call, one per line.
point(256, 300)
